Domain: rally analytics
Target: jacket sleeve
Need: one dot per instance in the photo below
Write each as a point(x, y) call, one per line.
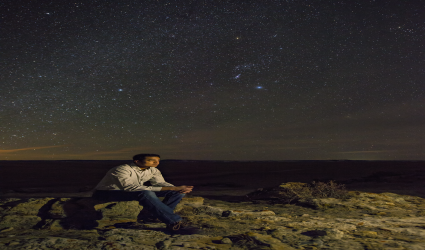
point(127, 180)
point(158, 181)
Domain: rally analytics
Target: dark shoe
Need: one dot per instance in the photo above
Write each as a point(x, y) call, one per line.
point(182, 228)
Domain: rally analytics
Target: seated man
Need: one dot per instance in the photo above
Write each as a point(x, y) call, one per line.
point(126, 183)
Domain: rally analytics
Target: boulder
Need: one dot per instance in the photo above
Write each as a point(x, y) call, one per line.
point(19, 221)
point(122, 209)
point(22, 214)
point(30, 207)
point(77, 213)
point(87, 213)
point(5, 201)
point(57, 210)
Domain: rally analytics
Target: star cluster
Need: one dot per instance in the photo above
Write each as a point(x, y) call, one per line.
point(213, 80)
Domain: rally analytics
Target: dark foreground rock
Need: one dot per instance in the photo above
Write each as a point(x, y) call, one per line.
point(361, 221)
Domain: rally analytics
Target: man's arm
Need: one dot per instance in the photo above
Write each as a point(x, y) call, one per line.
point(157, 180)
point(180, 189)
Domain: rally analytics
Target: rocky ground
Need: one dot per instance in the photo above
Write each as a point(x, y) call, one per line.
point(361, 221)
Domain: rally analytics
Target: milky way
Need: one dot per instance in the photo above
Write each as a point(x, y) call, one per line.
point(212, 80)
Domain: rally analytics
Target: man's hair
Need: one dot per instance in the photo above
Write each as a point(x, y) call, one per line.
point(141, 157)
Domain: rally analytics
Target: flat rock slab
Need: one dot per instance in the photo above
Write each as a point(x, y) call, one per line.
point(364, 221)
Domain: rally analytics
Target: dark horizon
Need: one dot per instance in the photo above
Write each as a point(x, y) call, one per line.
point(230, 176)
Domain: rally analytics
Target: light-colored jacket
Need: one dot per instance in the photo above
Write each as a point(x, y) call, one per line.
point(132, 178)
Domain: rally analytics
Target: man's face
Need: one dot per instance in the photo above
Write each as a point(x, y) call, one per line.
point(149, 161)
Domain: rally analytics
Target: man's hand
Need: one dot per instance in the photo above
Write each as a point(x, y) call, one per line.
point(184, 189)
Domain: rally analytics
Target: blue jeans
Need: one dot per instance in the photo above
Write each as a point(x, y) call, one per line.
point(163, 210)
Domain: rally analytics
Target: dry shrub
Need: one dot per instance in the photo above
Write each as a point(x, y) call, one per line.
point(295, 192)
point(328, 190)
point(315, 190)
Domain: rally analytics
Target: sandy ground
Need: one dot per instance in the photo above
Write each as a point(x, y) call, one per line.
point(213, 178)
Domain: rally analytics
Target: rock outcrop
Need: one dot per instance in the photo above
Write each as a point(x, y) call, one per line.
point(361, 221)
point(75, 213)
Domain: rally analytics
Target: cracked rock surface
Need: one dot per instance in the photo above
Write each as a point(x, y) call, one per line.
point(363, 221)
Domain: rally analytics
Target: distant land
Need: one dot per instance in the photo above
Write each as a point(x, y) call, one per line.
point(79, 177)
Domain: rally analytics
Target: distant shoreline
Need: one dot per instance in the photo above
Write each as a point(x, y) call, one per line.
point(218, 177)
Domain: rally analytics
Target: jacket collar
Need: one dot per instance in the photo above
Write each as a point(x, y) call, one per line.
point(137, 167)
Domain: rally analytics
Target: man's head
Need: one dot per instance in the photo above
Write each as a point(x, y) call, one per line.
point(146, 160)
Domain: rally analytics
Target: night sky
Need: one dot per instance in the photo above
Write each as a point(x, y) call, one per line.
point(212, 80)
